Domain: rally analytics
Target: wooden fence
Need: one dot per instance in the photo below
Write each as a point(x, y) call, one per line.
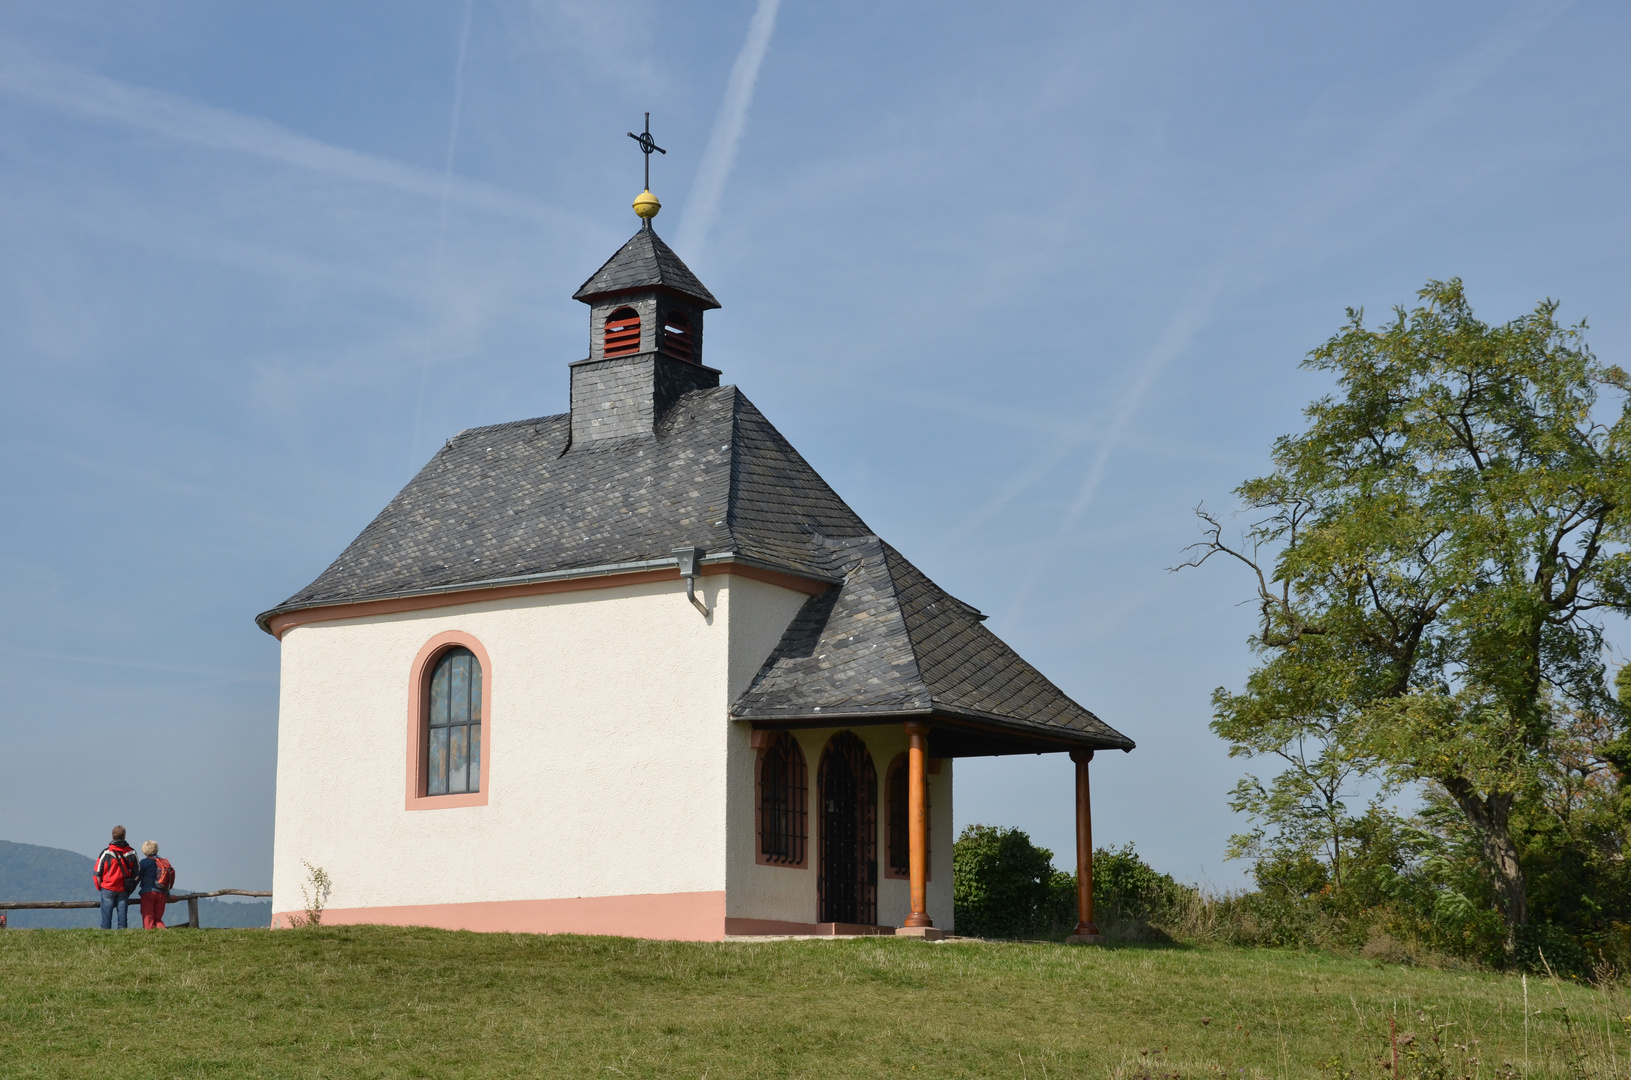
point(175, 898)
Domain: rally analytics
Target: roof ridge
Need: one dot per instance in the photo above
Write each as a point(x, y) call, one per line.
point(797, 456)
point(509, 424)
point(947, 697)
point(645, 261)
point(887, 554)
point(737, 397)
point(893, 554)
point(884, 551)
point(824, 633)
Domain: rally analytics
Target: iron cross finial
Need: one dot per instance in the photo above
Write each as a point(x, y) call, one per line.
point(646, 147)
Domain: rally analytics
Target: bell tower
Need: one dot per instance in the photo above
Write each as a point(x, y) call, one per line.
point(645, 300)
point(645, 331)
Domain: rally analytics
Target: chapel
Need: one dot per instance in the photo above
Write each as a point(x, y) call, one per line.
point(637, 669)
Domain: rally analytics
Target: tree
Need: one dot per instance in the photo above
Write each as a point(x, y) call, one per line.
point(1297, 715)
point(1432, 556)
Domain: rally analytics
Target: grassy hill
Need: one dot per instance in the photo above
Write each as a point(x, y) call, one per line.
point(390, 1002)
point(32, 872)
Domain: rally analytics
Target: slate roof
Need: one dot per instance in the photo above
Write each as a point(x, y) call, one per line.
point(891, 642)
point(509, 501)
point(516, 500)
point(645, 262)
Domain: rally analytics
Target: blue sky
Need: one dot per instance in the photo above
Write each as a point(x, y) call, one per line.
point(1026, 282)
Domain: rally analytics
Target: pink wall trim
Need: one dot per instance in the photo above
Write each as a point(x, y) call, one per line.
point(417, 721)
point(278, 625)
point(777, 928)
point(695, 916)
point(769, 927)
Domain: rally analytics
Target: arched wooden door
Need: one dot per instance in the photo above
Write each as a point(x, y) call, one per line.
point(847, 879)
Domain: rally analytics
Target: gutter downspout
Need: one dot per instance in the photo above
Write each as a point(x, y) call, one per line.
point(690, 560)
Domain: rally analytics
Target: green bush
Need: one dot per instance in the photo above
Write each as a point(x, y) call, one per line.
point(1126, 888)
point(1395, 904)
point(1543, 946)
point(1001, 883)
point(1005, 886)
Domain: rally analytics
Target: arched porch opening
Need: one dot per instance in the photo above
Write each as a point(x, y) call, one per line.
point(847, 881)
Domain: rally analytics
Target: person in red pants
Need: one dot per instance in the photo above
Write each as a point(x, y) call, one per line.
point(157, 875)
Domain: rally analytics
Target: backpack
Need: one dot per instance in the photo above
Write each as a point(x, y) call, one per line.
point(117, 870)
point(166, 875)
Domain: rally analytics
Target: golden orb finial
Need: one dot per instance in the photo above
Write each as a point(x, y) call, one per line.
point(646, 204)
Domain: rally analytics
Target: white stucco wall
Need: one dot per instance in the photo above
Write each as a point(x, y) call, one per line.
point(608, 733)
point(759, 614)
point(784, 894)
point(614, 771)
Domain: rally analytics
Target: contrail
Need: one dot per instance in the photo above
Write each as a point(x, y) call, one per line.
point(1179, 333)
point(702, 207)
point(1380, 157)
point(437, 265)
point(89, 96)
point(453, 125)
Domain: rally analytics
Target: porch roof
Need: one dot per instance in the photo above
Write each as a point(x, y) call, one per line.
point(889, 645)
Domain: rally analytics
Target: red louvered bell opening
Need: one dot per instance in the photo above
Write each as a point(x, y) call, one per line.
point(677, 337)
point(622, 333)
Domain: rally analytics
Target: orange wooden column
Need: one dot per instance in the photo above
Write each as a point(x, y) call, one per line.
point(1087, 931)
point(917, 820)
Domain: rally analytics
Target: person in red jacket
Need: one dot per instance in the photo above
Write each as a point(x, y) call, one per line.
point(116, 875)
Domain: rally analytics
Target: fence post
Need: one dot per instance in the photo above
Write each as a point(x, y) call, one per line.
point(192, 912)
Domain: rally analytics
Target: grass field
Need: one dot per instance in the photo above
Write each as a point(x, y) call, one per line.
point(381, 1002)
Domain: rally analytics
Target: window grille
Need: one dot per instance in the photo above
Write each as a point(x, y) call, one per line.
point(677, 337)
point(453, 754)
point(622, 333)
point(848, 882)
point(782, 815)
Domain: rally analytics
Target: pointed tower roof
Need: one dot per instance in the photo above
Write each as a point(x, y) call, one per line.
point(645, 262)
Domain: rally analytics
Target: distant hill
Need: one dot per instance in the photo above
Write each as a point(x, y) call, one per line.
point(32, 872)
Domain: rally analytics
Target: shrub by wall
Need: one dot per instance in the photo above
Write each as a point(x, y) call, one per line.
point(1001, 883)
point(1006, 887)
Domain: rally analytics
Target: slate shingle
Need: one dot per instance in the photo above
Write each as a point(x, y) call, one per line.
point(891, 641)
point(645, 262)
point(518, 499)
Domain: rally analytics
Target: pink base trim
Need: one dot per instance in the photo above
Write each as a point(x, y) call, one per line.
point(696, 916)
point(776, 927)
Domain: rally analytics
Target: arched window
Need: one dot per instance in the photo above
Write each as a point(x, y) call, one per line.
point(453, 733)
point(898, 838)
point(622, 333)
point(677, 336)
point(782, 814)
point(848, 881)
